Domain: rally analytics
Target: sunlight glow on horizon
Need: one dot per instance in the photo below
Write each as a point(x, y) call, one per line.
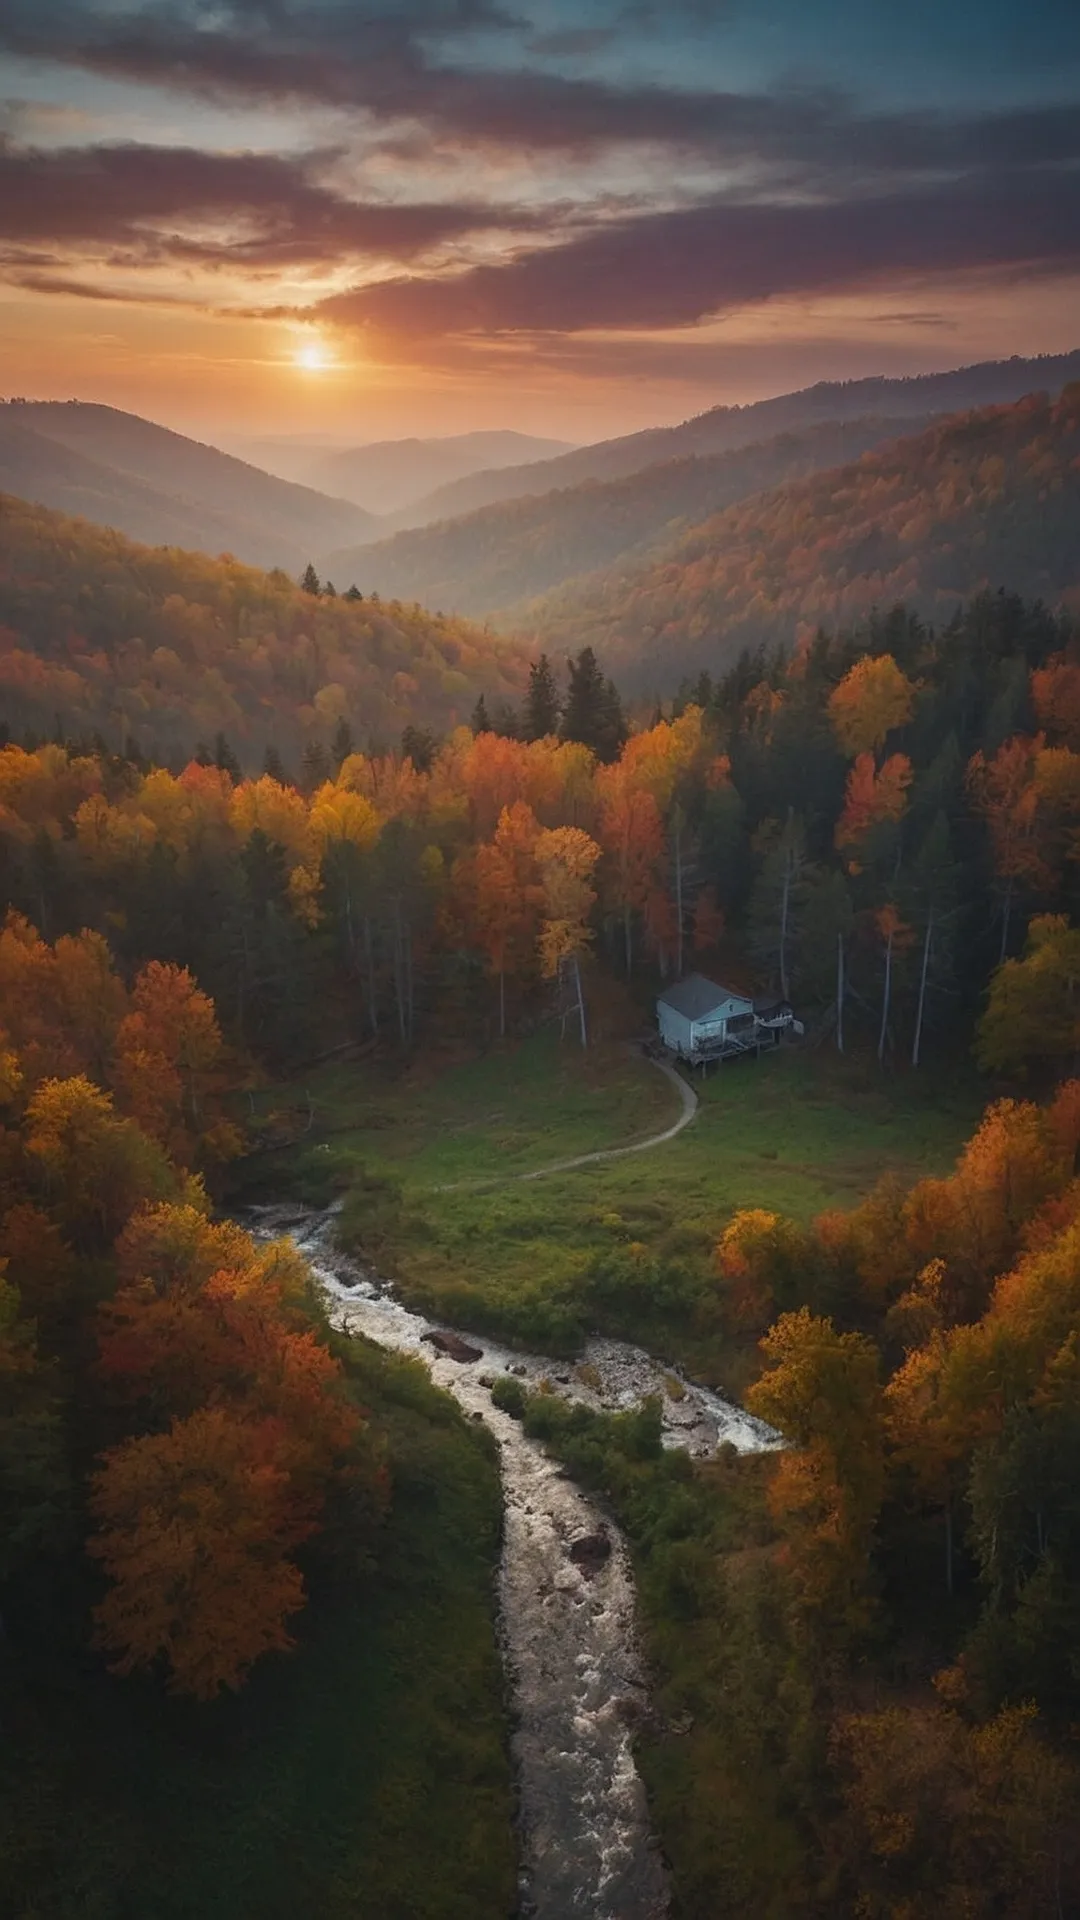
point(313, 356)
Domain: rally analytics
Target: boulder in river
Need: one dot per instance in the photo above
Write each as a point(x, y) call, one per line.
point(454, 1347)
point(590, 1551)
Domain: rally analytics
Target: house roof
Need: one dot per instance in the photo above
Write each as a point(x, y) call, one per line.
point(695, 997)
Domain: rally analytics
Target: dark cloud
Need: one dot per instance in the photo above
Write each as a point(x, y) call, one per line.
point(672, 270)
point(381, 61)
point(571, 42)
point(243, 210)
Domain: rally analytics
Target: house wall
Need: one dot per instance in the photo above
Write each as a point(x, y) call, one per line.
point(684, 1035)
point(675, 1029)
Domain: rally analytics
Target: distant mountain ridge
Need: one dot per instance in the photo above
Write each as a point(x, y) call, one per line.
point(160, 487)
point(388, 475)
point(982, 500)
point(722, 429)
point(512, 551)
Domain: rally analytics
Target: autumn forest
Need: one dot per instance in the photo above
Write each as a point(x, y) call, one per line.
point(337, 920)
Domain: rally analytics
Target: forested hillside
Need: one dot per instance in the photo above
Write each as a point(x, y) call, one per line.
point(520, 548)
point(863, 1644)
point(170, 648)
point(722, 429)
point(986, 499)
point(163, 488)
point(865, 827)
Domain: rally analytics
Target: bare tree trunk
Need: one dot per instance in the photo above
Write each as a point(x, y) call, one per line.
point(784, 903)
point(369, 957)
point(948, 1546)
point(839, 993)
point(580, 1002)
point(628, 938)
point(502, 1003)
point(399, 974)
point(885, 1001)
point(677, 822)
point(917, 1048)
point(1006, 916)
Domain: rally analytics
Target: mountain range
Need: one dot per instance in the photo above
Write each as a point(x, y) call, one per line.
point(391, 475)
point(485, 562)
point(160, 487)
point(984, 500)
point(664, 570)
point(721, 429)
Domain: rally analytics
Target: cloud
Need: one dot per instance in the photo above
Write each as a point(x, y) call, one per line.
point(670, 270)
point(389, 62)
point(248, 210)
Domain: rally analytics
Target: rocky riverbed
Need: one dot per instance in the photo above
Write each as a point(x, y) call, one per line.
point(566, 1594)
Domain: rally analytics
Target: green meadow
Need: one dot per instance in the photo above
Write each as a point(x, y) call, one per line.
point(427, 1159)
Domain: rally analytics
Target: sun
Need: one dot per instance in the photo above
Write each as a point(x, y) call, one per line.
point(312, 356)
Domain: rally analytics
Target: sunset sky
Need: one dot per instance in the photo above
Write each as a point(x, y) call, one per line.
point(575, 217)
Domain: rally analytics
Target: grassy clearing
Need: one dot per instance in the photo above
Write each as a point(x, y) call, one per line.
point(474, 1120)
point(797, 1132)
point(365, 1777)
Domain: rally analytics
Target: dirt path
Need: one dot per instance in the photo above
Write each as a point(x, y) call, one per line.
point(688, 1107)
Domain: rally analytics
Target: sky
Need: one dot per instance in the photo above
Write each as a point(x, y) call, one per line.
point(358, 219)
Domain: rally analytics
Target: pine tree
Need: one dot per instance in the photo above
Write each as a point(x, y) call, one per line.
point(309, 580)
point(541, 715)
point(593, 713)
point(419, 744)
point(354, 593)
point(342, 744)
point(225, 758)
point(274, 767)
point(614, 731)
point(480, 721)
point(314, 767)
point(330, 590)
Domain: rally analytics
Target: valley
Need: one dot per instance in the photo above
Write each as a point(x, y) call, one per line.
point(449, 1467)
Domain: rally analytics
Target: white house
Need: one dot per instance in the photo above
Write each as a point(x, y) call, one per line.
point(695, 1015)
point(701, 1021)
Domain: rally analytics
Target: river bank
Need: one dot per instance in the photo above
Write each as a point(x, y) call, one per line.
point(566, 1595)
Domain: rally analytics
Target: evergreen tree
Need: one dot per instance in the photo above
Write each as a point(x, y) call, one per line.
point(419, 744)
point(541, 715)
point(342, 744)
point(309, 580)
point(202, 755)
point(354, 593)
point(314, 767)
point(506, 721)
point(274, 767)
point(480, 721)
point(330, 590)
point(593, 713)
point(225, 758)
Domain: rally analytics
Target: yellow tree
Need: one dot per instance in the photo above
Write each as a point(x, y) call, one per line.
point(871, 701)
point(821, 1389)
point(1033, 1011)
point(97, 1166)
point(567, 857)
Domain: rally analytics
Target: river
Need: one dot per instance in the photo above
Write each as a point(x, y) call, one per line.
point(566, 1594)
